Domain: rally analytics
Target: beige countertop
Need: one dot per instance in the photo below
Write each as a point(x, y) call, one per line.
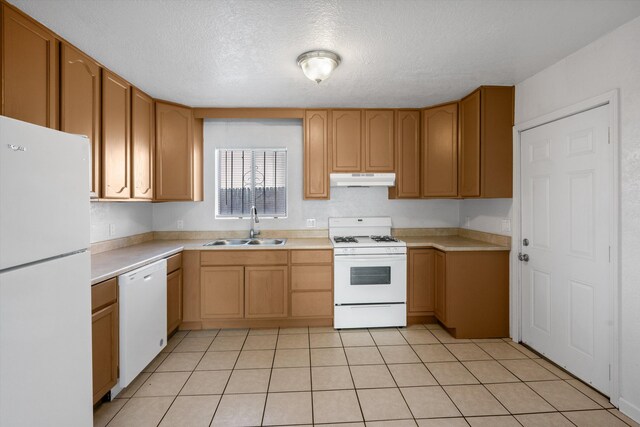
point(109, 264)
point(451, 243)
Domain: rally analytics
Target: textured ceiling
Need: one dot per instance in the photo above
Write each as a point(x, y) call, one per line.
point(396, 53)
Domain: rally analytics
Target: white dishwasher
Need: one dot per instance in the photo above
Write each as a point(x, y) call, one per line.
point(143, 318)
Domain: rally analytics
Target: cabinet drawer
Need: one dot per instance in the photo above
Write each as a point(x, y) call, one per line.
point(311, 257)
point(311, 277)
point(174, 262)
point(254, 257)
point(103, 294)
point(311, 304)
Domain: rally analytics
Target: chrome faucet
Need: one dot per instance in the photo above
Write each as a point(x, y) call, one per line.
point(254, 220)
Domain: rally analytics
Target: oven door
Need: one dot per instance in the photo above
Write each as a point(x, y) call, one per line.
point(366, 279)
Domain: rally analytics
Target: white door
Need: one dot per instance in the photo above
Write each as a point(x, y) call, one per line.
point(566, 199)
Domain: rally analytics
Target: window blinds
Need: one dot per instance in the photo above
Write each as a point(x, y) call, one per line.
point(256, 177)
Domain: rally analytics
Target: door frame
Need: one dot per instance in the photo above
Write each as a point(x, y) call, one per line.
point(611, 99)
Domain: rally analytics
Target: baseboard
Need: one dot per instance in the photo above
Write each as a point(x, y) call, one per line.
point(629, 409)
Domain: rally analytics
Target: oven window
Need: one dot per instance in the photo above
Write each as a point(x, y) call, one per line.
point(370, 275)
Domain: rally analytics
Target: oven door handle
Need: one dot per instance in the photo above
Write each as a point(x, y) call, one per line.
point(359, 258)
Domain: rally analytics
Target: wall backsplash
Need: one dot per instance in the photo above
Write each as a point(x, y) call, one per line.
point(128, 218)
point(486, 214)
point(344, 201)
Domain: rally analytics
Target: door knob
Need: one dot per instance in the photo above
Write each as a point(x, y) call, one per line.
point(523, 257)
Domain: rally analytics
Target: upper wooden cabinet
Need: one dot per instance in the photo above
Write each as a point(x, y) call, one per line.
point(29, 87)
point(469, 178)
point(80, 102)
point(142, 144)
point(379, 141)
point(116, 134)
point(486, 143)
point(316, 154)
point(178, 154)
point(346, 140)
point(407, 155)
point(362, 140)
point(440, 151)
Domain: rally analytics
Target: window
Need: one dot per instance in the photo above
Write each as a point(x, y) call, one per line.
point(256, 177)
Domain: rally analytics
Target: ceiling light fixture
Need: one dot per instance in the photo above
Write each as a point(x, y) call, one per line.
point(318, 65)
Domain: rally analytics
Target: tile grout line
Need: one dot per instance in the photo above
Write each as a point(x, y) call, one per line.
point(228, 379)
point(273, 360)
point(190, 374)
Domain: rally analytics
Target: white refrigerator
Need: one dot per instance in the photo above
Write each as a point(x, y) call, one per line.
point(45, 283)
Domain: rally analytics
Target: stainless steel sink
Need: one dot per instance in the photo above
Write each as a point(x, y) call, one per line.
point(227, 242)
point(267, 242)
point(243, 242)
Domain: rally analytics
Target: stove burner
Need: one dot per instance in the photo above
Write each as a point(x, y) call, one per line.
point(383, 239)
point(345, 239)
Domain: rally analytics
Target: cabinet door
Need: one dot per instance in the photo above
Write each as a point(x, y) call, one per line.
point(440, 151)
point(80, 103)
point(470, 145)
point(496, 133)
point(29, 70)
point(316, 154)
point(116, 131)
point(266, 292)
point(441, 286)
point(346, 135)
point(104, 337)
point(312, 304)
point(142, 144)
point(174, 152)
point(379, 141)
point(174, 300)
point(421, 281)
point(222, 292)
point(407, 155)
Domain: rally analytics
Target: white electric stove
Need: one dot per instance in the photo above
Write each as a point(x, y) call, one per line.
point(370, 273)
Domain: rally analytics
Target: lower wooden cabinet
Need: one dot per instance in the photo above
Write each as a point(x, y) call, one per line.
point(421, 282)
point(311, 284)
point(266, 292)
point(472, 293)
point(174, 300)
point(222, 292)
point(104, 337)
point(439, 278)
point(257, 288)
point(174, 292)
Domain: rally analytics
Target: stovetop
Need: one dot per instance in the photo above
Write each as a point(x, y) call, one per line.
point(366, 241)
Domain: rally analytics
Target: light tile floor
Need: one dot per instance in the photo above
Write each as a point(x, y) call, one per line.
point(418, 376)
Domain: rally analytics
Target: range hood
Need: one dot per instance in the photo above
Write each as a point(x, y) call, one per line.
point(362, 179)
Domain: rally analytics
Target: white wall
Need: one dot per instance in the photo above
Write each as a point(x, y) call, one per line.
point(128, 219)
point(486, 215)
point(344, 201)
point(610, 62)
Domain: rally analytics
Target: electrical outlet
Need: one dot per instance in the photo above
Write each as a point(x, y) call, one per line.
point(180, 224)
point(311, 223)
point(112, 229)
point(506, 225)
point(467, 221)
